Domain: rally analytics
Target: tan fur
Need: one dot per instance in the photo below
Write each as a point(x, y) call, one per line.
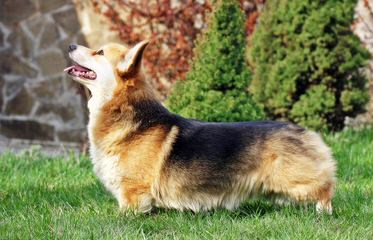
point(305, 176)
point(284, 170)
point(132, 162)
point(140, 154)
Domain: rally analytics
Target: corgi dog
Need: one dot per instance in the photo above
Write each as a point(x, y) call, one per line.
point(148, 157)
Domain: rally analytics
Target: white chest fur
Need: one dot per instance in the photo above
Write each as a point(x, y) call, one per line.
point(105, 166)
point(107, 170)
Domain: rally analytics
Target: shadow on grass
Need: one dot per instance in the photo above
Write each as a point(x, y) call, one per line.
point(257, 208)
point(246, 210)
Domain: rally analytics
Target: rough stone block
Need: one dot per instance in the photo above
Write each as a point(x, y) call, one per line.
point(68, 20)
point(21, 41)
point(49, 89)
point(2, 43)
point(51, 62)
point(21, 104)
point(26, 129)
point(49, 35)
point(14, 87)
point(26, 44)
point(74, 135)
point(66, 113)
point(49, 5)
point(35, 24)
point(9, 63)
point(13, 38)
point(13, 11)
point(23, 68)
point(1, 94)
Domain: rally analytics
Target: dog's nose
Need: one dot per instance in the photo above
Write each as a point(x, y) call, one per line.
point(72, 47)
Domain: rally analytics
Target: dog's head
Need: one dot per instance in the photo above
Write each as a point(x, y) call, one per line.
point(102, 70)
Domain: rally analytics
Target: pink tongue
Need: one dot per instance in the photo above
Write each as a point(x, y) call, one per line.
point(76, 67)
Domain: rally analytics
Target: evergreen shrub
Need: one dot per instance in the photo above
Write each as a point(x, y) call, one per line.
point(216, 87)
point(307, 63)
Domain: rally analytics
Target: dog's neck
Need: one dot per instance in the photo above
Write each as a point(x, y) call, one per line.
point(131, 109)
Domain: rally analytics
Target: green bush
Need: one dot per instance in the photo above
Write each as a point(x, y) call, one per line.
point(216, 87)
point(307, 62)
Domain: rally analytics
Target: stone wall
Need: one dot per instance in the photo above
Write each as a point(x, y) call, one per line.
point(363, 28)
point(37, 101)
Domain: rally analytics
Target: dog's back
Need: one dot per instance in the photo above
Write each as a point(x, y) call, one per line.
point(221, 164)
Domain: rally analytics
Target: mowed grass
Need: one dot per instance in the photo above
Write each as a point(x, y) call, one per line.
point(60, 198)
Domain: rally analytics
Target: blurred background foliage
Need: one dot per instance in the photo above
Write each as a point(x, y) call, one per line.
point(213, 60)
point(172, 26)
point(216, 85)
point(307, 63)
point(304, 63)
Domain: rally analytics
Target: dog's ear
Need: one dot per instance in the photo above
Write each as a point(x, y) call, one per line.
point(131, 64)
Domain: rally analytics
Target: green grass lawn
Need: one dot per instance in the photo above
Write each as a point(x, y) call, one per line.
point(41, 197)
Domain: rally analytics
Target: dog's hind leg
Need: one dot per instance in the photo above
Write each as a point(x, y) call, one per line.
point(300, 179)
point(313, 193)
point(305, 190)
point(301, 167)
point(324, 203)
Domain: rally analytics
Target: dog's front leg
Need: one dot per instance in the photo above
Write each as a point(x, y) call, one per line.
point(135, 199)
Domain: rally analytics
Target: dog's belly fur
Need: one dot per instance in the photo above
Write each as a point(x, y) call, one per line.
point(211, 165)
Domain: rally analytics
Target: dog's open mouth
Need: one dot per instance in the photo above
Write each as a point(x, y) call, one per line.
point(77, 70)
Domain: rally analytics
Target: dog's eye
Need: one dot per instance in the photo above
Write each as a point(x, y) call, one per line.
point(100, 52)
